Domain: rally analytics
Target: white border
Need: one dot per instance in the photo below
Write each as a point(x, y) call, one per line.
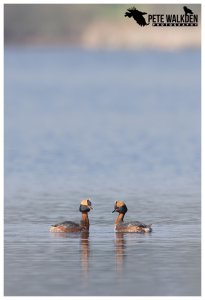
point(2, 130)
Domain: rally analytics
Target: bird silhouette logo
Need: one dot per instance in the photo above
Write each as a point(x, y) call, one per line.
point(187, 11)
point(137, 16)
point(163, 20)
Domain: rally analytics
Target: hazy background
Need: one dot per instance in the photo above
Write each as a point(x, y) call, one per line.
point(95, 26)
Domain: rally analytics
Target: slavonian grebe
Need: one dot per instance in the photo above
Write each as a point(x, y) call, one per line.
point(135, 226)
point(69, 226)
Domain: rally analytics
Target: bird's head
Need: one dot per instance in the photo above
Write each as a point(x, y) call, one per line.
point(85, 205)
point(120, 207)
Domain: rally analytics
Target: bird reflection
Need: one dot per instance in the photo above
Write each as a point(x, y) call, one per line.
point(120, 246)
point(85, 251)
point(84, 242)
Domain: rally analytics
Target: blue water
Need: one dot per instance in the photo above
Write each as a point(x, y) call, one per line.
point(110, 125)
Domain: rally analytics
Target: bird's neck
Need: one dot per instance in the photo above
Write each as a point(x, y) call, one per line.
point(85, 220)
point(119, 218)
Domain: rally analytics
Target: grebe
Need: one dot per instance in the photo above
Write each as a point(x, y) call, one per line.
point(69, 226)
point(135, 226)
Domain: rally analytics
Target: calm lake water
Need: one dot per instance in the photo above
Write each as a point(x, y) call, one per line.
point(110, 126)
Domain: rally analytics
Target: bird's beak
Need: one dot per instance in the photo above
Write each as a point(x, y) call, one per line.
point(113, 211)
point(90, 207)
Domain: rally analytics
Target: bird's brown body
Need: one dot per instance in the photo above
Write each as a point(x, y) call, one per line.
point(135, 226)
point(69, 226)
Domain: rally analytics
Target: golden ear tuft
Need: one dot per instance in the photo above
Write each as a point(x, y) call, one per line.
point(119, 203)
point(85, 202)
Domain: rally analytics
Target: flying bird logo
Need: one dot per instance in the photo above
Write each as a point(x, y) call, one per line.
point(163, 20)
point(136, 15)
point(187, 10)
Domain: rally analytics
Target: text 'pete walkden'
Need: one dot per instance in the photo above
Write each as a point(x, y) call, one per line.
point(173, 20)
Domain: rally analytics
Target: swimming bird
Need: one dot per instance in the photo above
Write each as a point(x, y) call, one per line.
point(137, 16)
point(68, 226)
point(135, 226)
point(187, 10)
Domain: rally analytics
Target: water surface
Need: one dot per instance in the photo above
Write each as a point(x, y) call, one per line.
point(105, 125)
